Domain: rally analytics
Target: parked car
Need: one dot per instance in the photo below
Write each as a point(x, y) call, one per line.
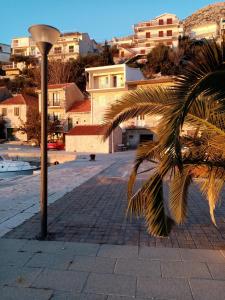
point(55, 145)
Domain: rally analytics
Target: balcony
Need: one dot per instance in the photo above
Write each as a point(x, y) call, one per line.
point(142, 26)
point(54, 103)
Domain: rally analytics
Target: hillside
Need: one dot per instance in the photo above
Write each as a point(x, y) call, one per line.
point(207, 14)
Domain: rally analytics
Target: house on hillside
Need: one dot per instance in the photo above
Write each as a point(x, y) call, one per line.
point(14, 111)
point(61, 99)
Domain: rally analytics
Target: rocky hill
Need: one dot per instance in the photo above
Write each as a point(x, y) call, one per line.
point(210, 13)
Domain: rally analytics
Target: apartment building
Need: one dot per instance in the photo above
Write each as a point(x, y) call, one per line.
point(68, 46)
point(61, 99)
point(5, 52)
point(107, 85)
point(164, 29)
point(14, 111)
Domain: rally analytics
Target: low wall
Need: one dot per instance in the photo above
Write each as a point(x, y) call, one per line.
point(53, 156)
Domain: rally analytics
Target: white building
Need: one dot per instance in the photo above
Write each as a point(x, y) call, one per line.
point(68, 46)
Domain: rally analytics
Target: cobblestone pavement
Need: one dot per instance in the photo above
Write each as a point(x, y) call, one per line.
point(44, 270)
point(95, 213)
point(20, 195)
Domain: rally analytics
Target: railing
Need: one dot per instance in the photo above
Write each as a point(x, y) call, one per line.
point(54, 103)
point(155, 23)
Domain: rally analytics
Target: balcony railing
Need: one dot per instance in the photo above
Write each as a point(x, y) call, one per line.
point(54, 103)
point(155, 23)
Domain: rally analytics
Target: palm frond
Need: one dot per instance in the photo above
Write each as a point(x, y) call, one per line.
point(143, 101)
point(211, 188)
point(148, 202)
point(178, 194)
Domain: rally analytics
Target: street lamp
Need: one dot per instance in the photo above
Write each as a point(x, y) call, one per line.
point(44, 36)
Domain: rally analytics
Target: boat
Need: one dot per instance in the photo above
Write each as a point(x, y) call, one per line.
point(7, 165)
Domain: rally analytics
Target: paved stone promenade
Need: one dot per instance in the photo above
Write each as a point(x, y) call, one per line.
point(95, 213)
point(20, 196)
point(65, 271)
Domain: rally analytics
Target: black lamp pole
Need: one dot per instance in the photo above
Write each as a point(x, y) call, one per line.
point(44, 36)
point(44, 49)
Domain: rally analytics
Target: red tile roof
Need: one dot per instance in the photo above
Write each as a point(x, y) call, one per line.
point(59, 85)
point(21, 100)
point(87, 130)
point(81, 106)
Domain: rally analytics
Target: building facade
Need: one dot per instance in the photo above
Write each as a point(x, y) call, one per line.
point(61, 98)
point(164, 29)
point(68, 46)
point(14, 111)
point(107, 85)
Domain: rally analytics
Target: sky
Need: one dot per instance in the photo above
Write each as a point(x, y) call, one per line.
point(102, 19)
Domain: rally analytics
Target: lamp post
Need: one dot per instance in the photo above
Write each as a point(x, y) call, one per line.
point(44, 36)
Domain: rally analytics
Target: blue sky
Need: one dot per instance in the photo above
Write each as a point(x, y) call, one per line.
point(102, 19)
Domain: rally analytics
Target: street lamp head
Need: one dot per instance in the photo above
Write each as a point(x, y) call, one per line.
point(44, 35)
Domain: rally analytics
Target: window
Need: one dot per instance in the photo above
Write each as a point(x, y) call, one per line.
point(148, 24)
point(170, 21)
point(160, 33)
point(122, 54)
point(71, 49)
point(4, 111)
point(55, 99)
point(114, 81)
point(169, 43)
point(15, 42)
point(148, 35)
point(169, 33)
point(142, 51)
point(161, 22)
point(57, 50)
point(16, 111)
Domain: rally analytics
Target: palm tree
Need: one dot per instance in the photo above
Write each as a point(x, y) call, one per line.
point(197, 99)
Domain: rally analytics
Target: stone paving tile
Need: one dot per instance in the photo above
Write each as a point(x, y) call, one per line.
point(93, 264)
point(160, 253)
point(163, 288)
point(9, 244)
point(50, 260)
point(138, 267)
point(21, 277)
point(217, 270)
point(204, 289)
point(184, 269)
point(42, 246)
point(13, 293)
point(202, 255)
point(72, 296)
point(111, 284)
point(123, 298)
point(69, 281)
point(81, 248)
point(11, 258)
point(118, 251)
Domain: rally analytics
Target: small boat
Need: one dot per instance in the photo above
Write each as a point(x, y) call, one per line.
point(8, 165)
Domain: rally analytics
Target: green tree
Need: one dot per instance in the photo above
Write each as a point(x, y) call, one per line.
point(196, 100)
